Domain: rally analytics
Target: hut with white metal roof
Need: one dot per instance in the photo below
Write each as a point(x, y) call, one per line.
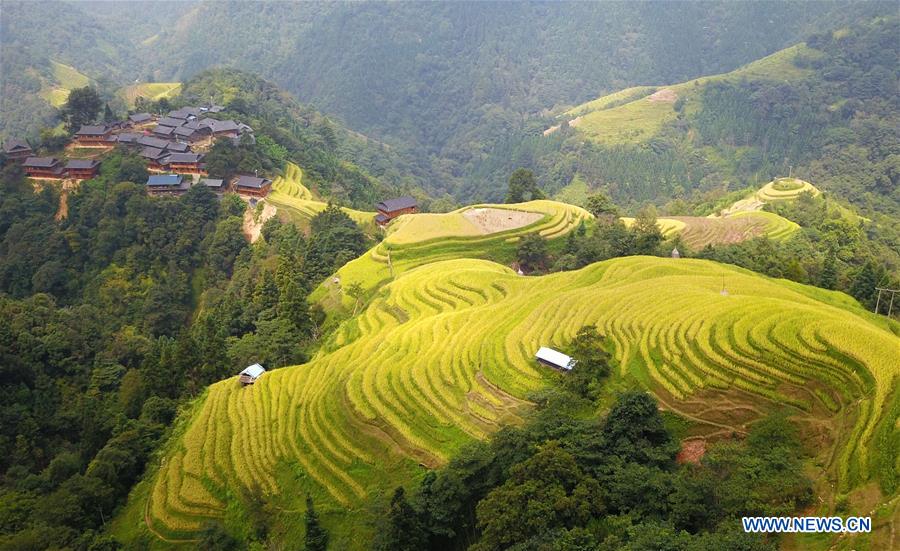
point(250, 374)
point(555, 359)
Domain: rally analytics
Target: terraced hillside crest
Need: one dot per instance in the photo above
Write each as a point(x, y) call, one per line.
point(296, 201)
point(443, 355)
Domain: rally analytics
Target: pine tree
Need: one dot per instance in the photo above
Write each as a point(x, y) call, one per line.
point(404, 531)
point(316, 536)
point(828, 277)
point(863, 288)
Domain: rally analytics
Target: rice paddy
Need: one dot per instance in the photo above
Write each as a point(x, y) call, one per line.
point(151, 91)
point(442, 355)
point(296, 201)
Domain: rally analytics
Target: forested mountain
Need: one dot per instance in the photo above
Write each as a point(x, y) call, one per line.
point(447, 83)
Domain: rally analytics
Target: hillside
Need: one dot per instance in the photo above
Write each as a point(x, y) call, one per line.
point(638, 114)
point(382, 397)
point(150, 91)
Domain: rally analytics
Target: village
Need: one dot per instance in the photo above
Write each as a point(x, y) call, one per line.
point(173, 146)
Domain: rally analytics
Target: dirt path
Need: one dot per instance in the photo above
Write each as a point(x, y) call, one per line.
point(252, 228)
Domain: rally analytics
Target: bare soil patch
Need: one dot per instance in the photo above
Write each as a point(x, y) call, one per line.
point(253, 227)
point(692, 451)
point(491, 220)
point(666, 95)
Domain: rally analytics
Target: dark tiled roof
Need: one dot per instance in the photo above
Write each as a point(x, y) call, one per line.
point(216, 108)
point(381, 219)
point(87, 130)
point(163, 130)
point(185, 157)
point(128, 137)
point(140, 117)
point(221, 126)
point(152, 153)
point(82, 164)
point(165, 180)
point(169, 121)
point(41, 162)
point(400, 203)
point(177, 147)
point(252, 182)
point(16, 145)
point(152, 142)
point(212, 182)
point(182, 131)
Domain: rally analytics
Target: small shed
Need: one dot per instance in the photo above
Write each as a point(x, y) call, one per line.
point(675, 253)
point(555, 359)
point(250, 374)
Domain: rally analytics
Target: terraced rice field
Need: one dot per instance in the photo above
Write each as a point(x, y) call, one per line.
point(294, 199)
point(785, 189)
point(411, 244)
point(152, 91)
point(443, 355)
point(63, 80)
point(698, 232)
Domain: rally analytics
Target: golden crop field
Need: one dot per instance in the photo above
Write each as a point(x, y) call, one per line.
point(783, 189)
point(290, 195)
point(407, 247)
point(443, 355)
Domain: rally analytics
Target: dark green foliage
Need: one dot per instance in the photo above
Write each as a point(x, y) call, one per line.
point(404, 531)
point(532, 252)
point(593, 363)
point(316, 538)
point(215, 538)
point(83, 106)
point(522, 187)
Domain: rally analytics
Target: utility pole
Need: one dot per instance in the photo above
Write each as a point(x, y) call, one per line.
point(890, 304)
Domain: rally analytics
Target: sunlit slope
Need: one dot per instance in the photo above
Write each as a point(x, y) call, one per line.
point(294, 199)
point(151, 91)
point(444, 355)
point(63, 79)
point(636, 114)
point(417, 239)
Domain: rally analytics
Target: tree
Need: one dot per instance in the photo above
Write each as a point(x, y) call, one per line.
point(532, 251)
point(863, 287)
point(602, 207)
point(316, 537)
point(593, 363)
point(522, 187)
point(647, 231)
point(404, 530)
point(108, 115)
point(544, 493)
point(82, 107)
point(828, 277)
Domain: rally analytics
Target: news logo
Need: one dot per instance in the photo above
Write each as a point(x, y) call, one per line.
point(808, 525)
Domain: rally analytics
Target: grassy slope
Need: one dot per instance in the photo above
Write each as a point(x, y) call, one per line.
point(640, 119)
point(152, 91)
point(442, 355)
point(64, 79)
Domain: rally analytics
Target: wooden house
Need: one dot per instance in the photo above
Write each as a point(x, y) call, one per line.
point(156, 158)
point(190, 135)
point(177, 147)
point(554, 359)
point(186, 163)
point(17, 150)
point(215, 184)
point(163, 132)
point(44, 167)
point(82, 169)
point(150, 141)
point(167, 184)
point(253, 186)
point(128, 138)
point(392, 208)
point(250, 374)
point(170, 121)
point(222, 129)
point(141, 120)
point(94, 136)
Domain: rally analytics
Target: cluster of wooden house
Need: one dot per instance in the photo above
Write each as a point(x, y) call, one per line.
point(167, 143)
point(49, 168)
point(176, 184)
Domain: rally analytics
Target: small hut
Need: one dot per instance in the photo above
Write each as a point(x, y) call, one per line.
point(556, 360)
point(675, 253)
point(250, 374)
